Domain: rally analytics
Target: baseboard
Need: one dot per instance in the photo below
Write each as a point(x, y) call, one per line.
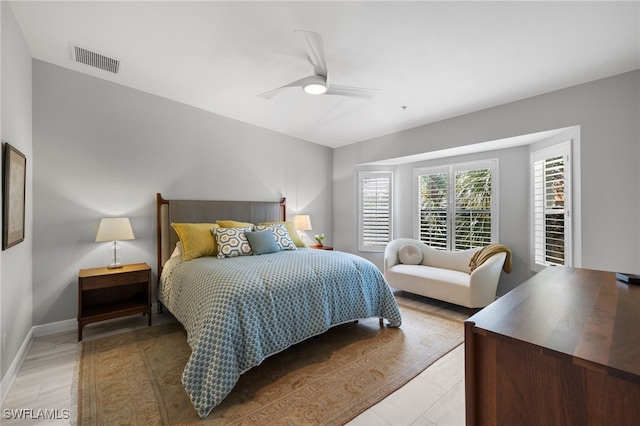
point(36, 331)
point(14, 368)
point(64, 326)
point(54, 327)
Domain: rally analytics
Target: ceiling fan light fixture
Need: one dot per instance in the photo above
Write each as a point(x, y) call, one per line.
point(318, 82)
point(314, 88)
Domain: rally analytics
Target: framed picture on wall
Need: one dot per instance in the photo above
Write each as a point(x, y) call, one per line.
point(13, 196)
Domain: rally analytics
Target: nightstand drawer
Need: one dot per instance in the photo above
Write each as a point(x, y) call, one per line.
point(102, 281)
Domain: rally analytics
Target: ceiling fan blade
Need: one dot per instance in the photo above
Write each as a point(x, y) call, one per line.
point(315, 51)
point(271, 93)
point(354, 92)
point(298, 83)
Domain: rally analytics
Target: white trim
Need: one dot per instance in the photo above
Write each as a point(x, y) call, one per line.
point(472, 148)
point(576, 197)
point(15, 366)
point(35, 332)
point(416, 193)
point(362, 174)
point(64, 326)
point(572, 133)
point(54, 328)
point(565, 149)
point(494, 165)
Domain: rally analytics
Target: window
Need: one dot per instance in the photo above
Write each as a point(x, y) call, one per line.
point(457, 205)
point(374, 210)
point(551, 206)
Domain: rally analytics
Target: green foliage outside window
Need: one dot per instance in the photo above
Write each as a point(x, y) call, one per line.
point(470, 218)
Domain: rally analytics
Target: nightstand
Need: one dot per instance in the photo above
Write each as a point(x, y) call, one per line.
point(105, 293)
point(322, 247)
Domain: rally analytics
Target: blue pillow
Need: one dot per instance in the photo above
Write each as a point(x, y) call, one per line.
point(262, 242)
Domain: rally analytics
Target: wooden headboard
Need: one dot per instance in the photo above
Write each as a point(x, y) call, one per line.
point(208, 211)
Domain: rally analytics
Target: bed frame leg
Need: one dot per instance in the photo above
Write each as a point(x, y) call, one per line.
point(381, 322)
point(159, 308)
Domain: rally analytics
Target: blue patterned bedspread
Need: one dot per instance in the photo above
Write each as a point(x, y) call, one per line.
point(238, 311)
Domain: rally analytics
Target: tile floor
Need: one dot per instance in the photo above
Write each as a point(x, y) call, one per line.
point(45, 380)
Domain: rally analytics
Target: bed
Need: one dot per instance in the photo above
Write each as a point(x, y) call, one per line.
point(239, 310)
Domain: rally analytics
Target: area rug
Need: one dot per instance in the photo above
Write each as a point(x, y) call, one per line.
point(133, 378)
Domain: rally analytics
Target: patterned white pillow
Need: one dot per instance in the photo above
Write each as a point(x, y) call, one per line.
point(410, 254)
point(232, 242)
point(283, 239)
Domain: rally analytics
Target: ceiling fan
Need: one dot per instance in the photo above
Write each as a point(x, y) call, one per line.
point(318, 83)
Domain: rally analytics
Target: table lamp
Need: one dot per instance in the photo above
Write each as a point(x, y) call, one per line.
point(302, 223)
point(115, 229)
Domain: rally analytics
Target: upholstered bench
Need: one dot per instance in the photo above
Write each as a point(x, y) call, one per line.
point(415, 267)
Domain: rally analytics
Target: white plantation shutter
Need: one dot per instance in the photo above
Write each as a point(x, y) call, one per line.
point(374, 210)
point(473, 208)
point(457, 205)
point(433, 207)
point(551, 201)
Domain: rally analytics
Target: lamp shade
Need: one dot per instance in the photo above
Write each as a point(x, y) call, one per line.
point(302, 222)
point(114, 229)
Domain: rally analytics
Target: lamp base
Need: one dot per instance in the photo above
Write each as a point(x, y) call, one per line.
point(116, 251)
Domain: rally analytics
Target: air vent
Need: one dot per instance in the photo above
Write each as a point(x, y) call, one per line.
point(93, 59)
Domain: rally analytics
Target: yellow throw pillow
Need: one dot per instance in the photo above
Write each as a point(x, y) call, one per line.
point(197, 239)
point(293, 232)
point(234, 224)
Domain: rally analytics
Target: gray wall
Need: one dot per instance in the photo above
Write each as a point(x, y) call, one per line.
point(16, 262)
point(607, 112)
point(101, 149)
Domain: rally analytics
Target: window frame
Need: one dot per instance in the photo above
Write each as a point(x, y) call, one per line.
point(450, 170)
point(536, 233)
point(362, 245)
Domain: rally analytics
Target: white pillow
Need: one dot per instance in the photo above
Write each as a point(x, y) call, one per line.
point(410, 254)
point(178, 250)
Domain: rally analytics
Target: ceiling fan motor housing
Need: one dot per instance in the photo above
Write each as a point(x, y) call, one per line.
point(316, 85)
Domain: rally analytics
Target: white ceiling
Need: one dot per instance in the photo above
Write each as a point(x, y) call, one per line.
point(439, 59)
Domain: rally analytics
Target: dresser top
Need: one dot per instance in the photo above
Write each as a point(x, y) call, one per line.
point(586, 314)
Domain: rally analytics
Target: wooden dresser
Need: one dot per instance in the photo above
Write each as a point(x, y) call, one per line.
point(561, 349)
